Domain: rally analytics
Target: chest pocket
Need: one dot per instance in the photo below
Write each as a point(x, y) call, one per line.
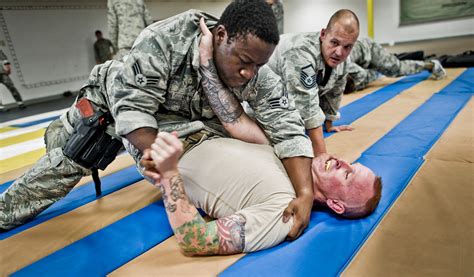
point(181, 90)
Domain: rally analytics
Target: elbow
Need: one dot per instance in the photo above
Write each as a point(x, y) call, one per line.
point(189, 250)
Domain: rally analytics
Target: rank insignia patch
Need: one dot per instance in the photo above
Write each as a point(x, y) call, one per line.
point(280, 102)
point(308, 76)
point(142, 80)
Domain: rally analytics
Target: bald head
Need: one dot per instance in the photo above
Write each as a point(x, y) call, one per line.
point(338, 38)
point(346, 19)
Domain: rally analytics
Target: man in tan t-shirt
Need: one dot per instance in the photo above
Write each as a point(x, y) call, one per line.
point(249, 208)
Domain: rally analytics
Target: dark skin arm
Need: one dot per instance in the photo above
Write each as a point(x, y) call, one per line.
point(317, 140)
point(142, 139)
point(299, 171)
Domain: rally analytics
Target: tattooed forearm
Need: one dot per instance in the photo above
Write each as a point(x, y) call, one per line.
point(173, 190)
point(224, 104)
point(224, 236)
point(231, 233)
point(194, 235)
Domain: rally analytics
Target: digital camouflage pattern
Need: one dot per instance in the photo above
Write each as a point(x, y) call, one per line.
point(299, 62)
point(54, 174)
point(279, 13)
point(140, 96)
point(126, 19)
point(5, 79)
point(368, 57)
point(162, 71)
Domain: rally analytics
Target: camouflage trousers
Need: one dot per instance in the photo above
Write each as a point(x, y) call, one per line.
point(382, 61)
point(55, 175)
point(5, 79)
point(48, 181)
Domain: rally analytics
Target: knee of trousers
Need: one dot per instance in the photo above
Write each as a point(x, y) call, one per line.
point(48, 181)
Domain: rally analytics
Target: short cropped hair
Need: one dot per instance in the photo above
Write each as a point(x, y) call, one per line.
point(243, 17)
point(369, 206)
point(343, 13)
point(98, 32)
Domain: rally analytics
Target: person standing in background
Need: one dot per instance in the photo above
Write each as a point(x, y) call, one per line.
point(5, 70)
point(278, 11)
point(103, 48)
point(126, 19)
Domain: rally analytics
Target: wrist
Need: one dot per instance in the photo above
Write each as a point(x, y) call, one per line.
point(167, 175)
point(305, 194)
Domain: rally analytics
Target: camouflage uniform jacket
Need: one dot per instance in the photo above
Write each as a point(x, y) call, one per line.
point(299, 62)
point(279, 13)
point(126, 19)
point(3, 61)
point(103, 50)
point(161, 78)
point(361, 53)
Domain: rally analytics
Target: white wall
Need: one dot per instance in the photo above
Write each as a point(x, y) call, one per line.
point(387, 29)
point(50, 47)
point(50, 44)
point(312, 16)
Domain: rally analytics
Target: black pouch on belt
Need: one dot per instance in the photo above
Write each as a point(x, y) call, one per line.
point(89, 145)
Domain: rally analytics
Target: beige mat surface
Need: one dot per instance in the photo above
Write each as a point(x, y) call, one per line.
point(430, 229)
point(165, 258)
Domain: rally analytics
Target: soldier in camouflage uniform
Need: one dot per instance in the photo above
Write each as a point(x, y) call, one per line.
point(5, 70)
point(54, 175)
point(278, 11)
point(126, 19)
point(103, 48)
point(313, 67)
point(369, 58)
point(164, 86)
point(163, 72)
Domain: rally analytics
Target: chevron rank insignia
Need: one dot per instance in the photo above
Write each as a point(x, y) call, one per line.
point(280, 102)
point(308, 77)
point(142, 80)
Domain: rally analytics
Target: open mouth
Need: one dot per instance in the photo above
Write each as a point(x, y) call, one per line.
point(327, 164)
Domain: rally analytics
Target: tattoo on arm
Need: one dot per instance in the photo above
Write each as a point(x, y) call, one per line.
point(231, 232)
point(195, 236)
point(224, 236)
point(224, 104)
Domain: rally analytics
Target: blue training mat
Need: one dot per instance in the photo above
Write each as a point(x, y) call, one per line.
point(122, 241)
point(39, 121)
point(329, 243)
point(107, 249)
point(81, 196)
point(368, 103)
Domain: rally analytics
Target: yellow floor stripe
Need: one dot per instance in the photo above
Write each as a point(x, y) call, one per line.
point(429, 230)
point(7, 129)
point(22, 138)
point(166, 257)
point(21, 160)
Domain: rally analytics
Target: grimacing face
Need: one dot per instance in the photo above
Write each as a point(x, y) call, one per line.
point(338, 179)
point(238, 62)
point(336, 44)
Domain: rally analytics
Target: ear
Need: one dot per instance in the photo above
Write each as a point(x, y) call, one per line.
point(336, 205)
point(322, 34)
point(220, 35)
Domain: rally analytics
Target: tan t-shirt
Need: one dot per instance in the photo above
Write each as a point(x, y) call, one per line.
point(226, 176)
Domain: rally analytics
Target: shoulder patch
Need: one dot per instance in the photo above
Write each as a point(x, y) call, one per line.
point(280, 102)
point(308, 76)
point(142, 80)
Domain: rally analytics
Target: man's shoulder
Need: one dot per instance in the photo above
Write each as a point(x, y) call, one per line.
point(300, 45)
